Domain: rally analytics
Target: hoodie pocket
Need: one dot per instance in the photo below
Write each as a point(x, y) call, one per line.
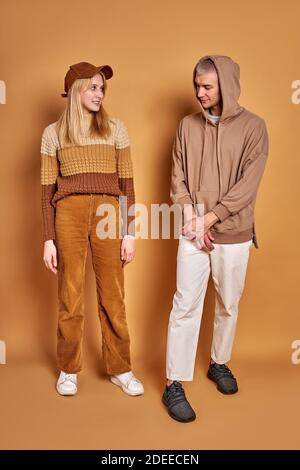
point(209, 199)
point(243, 220)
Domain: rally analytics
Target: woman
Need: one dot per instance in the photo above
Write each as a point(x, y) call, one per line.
point(86, 164)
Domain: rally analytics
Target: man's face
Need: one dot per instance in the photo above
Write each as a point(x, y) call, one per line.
point(208, 90)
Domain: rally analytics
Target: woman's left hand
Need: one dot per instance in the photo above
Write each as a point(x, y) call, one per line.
point(127, 250)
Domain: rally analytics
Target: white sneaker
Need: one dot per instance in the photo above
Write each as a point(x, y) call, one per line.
point(128, 383)
point(67, 384)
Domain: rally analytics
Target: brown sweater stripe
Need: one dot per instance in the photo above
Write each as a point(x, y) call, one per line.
point(98, 183)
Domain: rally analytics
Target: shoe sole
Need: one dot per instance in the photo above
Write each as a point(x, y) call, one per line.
point(220, 390)
point(175, 417)
point(66, 394)
point(119, 384)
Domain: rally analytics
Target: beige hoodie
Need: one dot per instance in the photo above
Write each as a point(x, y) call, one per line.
point(221, 165)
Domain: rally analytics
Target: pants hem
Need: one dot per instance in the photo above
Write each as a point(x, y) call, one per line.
point(118, 372)
point(180, 379)
point(217, 361)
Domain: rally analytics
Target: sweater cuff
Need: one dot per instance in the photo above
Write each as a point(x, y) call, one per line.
point(221, 211)
point(48, 232)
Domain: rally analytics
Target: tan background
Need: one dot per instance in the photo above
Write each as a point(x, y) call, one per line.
point(152, 47)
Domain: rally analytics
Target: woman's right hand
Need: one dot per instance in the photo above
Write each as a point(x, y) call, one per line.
point(50, 255)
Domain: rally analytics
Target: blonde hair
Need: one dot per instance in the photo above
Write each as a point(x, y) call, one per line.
point(70, 127)
point(205, 66)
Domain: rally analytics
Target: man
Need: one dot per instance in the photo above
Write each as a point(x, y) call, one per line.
point(219, 156)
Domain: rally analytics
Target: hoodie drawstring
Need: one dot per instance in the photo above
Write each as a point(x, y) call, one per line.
point(203, 153)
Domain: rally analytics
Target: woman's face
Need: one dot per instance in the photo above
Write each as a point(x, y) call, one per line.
point(92, 97)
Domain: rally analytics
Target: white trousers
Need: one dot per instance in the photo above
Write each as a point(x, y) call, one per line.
point(228, 265)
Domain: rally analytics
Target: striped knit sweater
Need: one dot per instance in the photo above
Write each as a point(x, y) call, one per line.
point(97, 165)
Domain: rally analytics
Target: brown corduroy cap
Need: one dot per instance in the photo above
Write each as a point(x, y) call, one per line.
point(84, 70)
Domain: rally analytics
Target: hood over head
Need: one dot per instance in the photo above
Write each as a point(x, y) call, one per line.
point(229, 81)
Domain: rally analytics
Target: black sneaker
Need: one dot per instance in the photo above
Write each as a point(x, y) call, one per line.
point(223, 377)
point(175, 400)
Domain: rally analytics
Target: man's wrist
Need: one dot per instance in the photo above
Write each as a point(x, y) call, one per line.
point(212, 218)
point(189, 213)
point(132, 237)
